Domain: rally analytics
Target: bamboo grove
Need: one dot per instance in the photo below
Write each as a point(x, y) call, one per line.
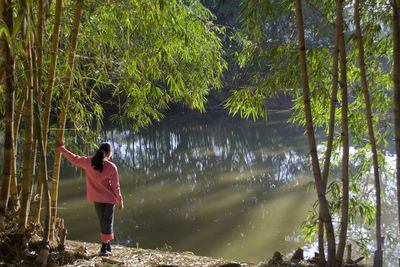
point(64, 62)
point(338, 60)
point(49, 83)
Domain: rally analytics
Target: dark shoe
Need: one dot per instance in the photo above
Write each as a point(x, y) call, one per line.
point(104, 251)
point(108, 247)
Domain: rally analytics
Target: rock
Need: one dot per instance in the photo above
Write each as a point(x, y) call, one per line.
point(41, 259)
point(298, 255)
point(276, 259)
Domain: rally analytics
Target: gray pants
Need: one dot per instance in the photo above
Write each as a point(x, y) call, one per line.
point(105, 213)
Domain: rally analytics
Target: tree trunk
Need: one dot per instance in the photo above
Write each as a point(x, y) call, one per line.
point(38, 96)
point(44, 253)
point(345, 135)
point(27, 160)
point(396, 97)
point(52, 71)
point(49, 91)
point(35, 98)
point(63, 114)
point(378, 252)
point(311, 139)
point(7, 68)
point(328, 152)
point(17, 121)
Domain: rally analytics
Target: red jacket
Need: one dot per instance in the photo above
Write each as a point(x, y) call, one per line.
point(102, 186)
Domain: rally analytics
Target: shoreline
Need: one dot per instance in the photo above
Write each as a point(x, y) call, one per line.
point(86, 254)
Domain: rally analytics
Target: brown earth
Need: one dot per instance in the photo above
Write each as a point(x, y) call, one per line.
point(23, 250)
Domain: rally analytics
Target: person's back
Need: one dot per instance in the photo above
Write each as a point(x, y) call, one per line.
point(102, 187)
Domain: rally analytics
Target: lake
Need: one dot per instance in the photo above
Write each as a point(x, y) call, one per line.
point(212, 185)
point(215, 186)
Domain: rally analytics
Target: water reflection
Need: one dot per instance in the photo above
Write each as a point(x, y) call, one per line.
point(209, 184)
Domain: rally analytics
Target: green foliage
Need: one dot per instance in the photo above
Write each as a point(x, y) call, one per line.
point(310, 227)
point(146, 55)
point(268, 49)
point(261, 53)
point(247, 102)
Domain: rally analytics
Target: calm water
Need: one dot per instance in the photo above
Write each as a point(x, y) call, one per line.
point(218, 187)
point(208, 184)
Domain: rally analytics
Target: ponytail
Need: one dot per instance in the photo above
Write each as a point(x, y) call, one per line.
point(98, 158)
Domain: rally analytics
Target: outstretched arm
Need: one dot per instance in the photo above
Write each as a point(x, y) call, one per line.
point(71, 157)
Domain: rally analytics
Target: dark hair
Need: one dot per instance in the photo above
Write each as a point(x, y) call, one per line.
point(98, 159)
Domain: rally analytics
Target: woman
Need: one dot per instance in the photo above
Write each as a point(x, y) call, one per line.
point(102, 187)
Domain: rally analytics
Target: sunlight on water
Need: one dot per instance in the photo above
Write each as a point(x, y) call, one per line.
point(213, 185)
point(218, 187)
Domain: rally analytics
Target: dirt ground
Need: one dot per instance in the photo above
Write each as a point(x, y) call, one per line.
point(123, 256)
point(87, 255)
point(84, 254)
point(23, 250)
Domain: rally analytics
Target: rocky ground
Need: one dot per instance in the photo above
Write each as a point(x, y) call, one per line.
point(23, 250)
point(79, 253)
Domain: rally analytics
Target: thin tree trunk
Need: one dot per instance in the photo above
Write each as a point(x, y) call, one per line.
point(328, 152)
point(311, 139)
point(52, 71)
point(35, 98)
point(8, 68)
point(345, 136)
point(27, 165)
point(44, 252)
point(38, 94)
point(396, 97)
point(17, 120)
point(49, 90)
point(27, 160)
point(63, 115)
point(378, 252)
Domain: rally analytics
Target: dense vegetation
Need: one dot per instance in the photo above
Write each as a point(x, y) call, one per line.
point(63, 63)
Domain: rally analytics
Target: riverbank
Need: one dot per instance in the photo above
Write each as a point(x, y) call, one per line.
point(80, 253)
point(23, 250)
point(124, 256)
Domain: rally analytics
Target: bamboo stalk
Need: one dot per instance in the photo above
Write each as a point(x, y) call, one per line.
point(27, 162)
point(311, 138)
point(7, 68)
point(378, 235)
point(345, 136)
point(328, 152)
point(396, 96)
point(63, 114)
point(17, 121)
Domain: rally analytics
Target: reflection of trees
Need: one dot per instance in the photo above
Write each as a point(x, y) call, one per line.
point(190, 180)
point(199, 177)
point(212, 155)
point(196, 149)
